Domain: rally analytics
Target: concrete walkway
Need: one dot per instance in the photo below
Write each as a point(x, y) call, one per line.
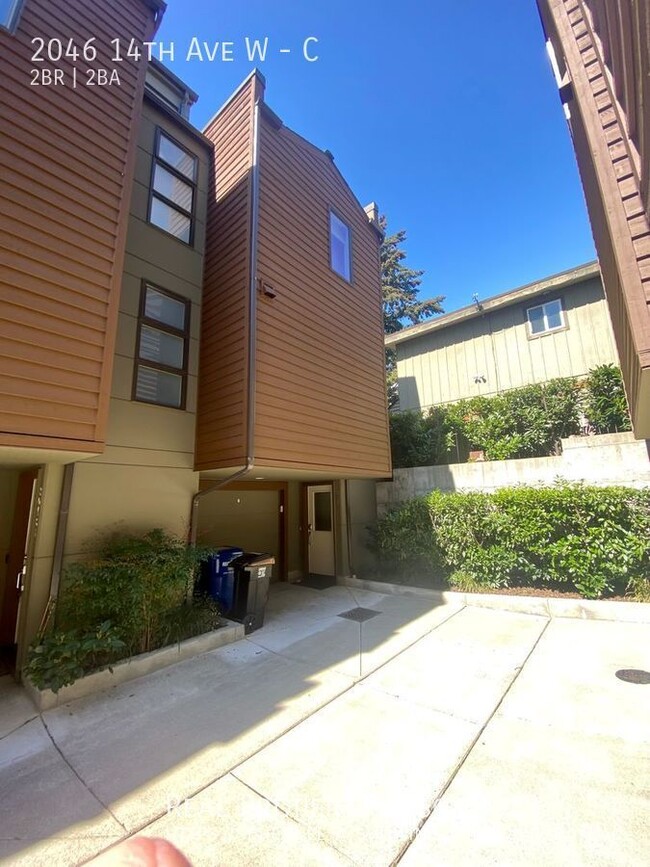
point(432, 733)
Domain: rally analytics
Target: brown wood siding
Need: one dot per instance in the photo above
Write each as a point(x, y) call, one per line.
point(67, 157)
point(321, 401)
point(605, 101)
point(223, 367)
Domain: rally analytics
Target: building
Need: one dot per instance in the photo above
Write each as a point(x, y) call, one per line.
point(600, 54)
point(174, 347)
point(555, 327)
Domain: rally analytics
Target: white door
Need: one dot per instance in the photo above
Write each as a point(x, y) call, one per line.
point(320, 529)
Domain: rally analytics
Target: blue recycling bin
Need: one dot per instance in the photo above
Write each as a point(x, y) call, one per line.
point(218, 576)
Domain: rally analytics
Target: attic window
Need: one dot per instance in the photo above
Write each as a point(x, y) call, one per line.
point(9, 14)
point(545, 317)
point(340, 247)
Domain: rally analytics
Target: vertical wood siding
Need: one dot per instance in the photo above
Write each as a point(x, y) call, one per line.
point(441, 366)
point(321, 401)
point(605, 46)
point(223, 368)
point(67, 158)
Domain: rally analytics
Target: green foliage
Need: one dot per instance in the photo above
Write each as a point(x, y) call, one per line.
point(519, 423)
point(595, 541)
point(605, 401)
point(421, 439)
point(639, 588)
point(400, 287)
point(62, 657)
point(135, 595)
point(135, 582)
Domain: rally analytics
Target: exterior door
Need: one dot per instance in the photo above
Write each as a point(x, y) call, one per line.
point(320, 530)
point(15, 560)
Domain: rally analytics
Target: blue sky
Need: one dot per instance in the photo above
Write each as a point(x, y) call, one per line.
point(445, 113)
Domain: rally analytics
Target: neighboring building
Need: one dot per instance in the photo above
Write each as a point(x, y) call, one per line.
point(600, 53)
point(131, 376)
point(555, 327)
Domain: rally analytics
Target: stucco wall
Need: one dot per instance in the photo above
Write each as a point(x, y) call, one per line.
point(608, 459)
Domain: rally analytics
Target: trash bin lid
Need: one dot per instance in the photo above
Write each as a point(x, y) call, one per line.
point(254, 558)
point(229, 549)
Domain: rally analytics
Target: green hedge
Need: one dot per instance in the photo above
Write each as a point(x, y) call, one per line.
point(134, 596)
point(595, 541)
point(519, 423)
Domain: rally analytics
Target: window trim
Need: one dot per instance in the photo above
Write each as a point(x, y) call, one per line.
point(169, 329)
point(14, 17)
point(154, 194)
point(563, 327)
point(338, 216)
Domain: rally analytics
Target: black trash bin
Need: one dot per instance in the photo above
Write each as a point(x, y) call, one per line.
point(253, 572)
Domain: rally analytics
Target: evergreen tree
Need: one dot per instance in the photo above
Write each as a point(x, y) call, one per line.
point(400, 296)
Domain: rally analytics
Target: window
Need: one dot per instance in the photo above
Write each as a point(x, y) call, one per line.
point(162, 344)
point(546, 317)
point(339, 246)
point(173, 189)
point(9, 13)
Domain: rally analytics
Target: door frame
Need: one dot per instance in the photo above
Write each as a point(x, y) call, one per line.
point(304, 522)
point(283, 527)
point(21, 529)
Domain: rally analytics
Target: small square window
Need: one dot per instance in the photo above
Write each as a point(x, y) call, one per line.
point(339, 247)
point(545, 317)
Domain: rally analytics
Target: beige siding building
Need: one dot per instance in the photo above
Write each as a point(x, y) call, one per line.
point(555, 327)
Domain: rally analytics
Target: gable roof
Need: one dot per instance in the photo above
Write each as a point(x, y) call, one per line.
point(561, 281)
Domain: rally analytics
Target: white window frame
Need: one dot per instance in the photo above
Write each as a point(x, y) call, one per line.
point(547, 329)
point(348, 247)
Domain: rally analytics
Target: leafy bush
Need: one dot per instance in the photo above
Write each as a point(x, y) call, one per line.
point(135, 582)
point(62, 657)
point(421, 439)
point(136, 595)
point(605, 401)
point(592, 540)
point(519, 423)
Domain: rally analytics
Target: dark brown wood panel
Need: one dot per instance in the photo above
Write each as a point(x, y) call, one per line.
point(607, 118)
point(67, 157)
point(222, 398)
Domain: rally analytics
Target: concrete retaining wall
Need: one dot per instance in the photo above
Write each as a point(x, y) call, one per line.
point(606, 459)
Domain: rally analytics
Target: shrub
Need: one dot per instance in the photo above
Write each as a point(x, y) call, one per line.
point(592, 540)
point(134, 596)
point(605, 401)
point(421, 439)
point(519, 423)
point(62, 657)
point(136, 582)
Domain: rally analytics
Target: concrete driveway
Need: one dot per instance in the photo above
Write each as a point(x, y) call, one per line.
point(419, 731)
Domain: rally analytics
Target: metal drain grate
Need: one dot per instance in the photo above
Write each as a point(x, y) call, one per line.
point(359, 614)
point(633, 675)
